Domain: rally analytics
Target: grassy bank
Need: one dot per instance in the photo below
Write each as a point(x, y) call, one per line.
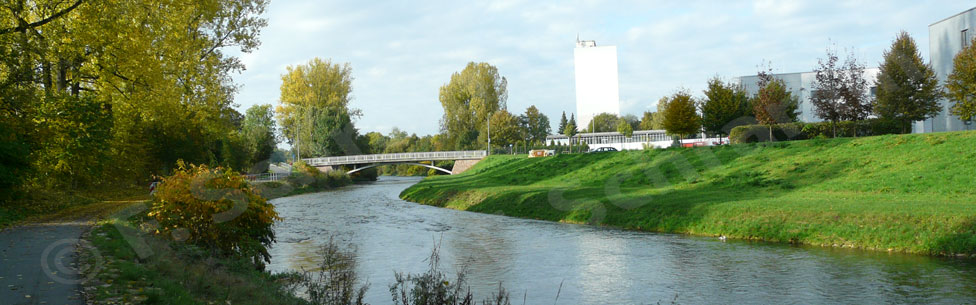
point(173, 273)
point(905, 193)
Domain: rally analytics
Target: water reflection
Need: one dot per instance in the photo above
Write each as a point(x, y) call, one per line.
point(596, 265)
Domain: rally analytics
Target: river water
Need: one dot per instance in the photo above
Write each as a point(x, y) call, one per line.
point(595, 265)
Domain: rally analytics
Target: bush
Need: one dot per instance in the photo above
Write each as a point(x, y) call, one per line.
point(805, 131)
point(215, 209)
point(310, 176)
point(434, 287)
point(760, 133)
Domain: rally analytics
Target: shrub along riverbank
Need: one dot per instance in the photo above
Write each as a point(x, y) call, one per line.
point(904, 193)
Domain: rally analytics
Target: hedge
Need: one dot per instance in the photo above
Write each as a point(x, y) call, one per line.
point(804, 131)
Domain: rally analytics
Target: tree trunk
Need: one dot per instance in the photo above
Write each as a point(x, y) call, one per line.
point(770, 133)
point(833, 126)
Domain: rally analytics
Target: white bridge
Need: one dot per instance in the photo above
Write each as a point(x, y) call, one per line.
point(361, 162)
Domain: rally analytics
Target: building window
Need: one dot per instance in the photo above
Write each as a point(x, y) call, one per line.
point(874, 90)
point(965, 38)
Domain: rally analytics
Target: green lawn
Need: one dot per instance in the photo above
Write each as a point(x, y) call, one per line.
point(906, 193)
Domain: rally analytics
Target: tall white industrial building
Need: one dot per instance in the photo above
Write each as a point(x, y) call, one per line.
point(596, 81)
point(947, 37)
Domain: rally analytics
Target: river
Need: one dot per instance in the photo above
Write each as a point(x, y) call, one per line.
point(595, 265)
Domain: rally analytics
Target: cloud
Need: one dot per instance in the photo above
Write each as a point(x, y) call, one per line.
point(402, 52)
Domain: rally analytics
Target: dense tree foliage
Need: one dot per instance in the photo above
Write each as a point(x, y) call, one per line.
point(839, 90)
point(535, 125)
point(314, 115)
point(624, 128)
point(604, 122)
point(723, 106)
point(907, 89)
point(103, 91)
point(469, 99)
point(680, 117)
point(258, 133)
point(961, 83)
point(504, 129)
point(774, 103)
point(562, 123)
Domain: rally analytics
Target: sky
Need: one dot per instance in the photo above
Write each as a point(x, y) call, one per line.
point(402, 52)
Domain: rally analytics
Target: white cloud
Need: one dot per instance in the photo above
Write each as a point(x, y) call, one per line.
point(402, 52)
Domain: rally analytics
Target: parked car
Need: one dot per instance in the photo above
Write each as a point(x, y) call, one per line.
point(601, 149)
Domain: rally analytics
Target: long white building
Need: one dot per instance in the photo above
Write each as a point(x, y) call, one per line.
point(947, 37)
point(597, 88)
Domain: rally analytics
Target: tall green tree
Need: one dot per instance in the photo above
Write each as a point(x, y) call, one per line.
point(535, 124)
point(562, 123)
point(572, 121)
point(130, 95)
point(961, 83)
point(604, 122)
point(774, 103)
point(505, 128)
point(723, 105)
point(314, 114)
point(258, 131)
point(469, 99)
point(680, 117)
point(907, 89)
point(624, 128)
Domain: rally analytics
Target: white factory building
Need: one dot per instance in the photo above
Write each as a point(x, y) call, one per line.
point(946, 39)
point(597, 89)
point(801, 85)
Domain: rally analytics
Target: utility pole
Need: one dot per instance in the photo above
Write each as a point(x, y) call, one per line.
point(489, 134)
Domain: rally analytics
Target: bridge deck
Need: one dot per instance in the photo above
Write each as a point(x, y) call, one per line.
point(398, 157)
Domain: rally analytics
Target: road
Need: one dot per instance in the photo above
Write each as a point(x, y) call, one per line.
point(38, 261)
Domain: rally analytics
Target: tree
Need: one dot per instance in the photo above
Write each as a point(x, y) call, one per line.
point(826, 96)
point(839, 90)
point(624, 128)
point(961, 83)
point(604, 122)
point(570, 132)
point(723, 104)
point(258, 131)
point(632, 120)
point(647, 121)
point(314, 114)
point(562, 123)
point(907, 89)
point(469, 99)
point(773, 103)
point(572, 121)
point(504, 128)
point(160, 79)
point(854, 89)
point(535, 125)
point(680, 118)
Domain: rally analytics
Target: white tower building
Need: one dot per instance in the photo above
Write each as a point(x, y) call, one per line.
point(596, 81)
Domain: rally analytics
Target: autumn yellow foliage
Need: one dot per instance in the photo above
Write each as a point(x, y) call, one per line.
point(215, 209)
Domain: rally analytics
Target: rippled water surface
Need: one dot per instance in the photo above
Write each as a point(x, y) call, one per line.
point(596, 265)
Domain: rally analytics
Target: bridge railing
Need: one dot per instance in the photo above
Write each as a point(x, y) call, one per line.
point(267, 177)
point(397, 157)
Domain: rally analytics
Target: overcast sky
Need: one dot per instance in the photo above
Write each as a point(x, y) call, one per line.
point(401, 52)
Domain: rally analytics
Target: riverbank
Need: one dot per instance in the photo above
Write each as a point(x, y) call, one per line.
point(899, 193)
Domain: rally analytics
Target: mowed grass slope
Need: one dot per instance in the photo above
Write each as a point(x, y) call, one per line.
point(905, 193)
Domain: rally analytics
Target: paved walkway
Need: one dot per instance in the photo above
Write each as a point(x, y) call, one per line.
point(38, 262)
